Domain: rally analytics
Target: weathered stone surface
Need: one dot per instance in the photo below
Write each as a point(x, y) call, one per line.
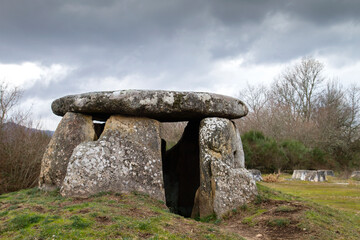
point(224, 182)
point(126, 158)
point(355, 175)
point(309, 175)
point(256, 174)
point(160, 105)
point(73, 129)
point(181, 171)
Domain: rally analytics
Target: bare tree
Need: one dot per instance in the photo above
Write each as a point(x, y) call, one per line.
point(8, 99)
point(256, 98)
point(298, 85)
point(21, 145)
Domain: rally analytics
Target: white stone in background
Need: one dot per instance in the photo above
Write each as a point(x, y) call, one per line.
point(309, 175)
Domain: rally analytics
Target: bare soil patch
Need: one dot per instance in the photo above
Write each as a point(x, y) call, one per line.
point(272, 220)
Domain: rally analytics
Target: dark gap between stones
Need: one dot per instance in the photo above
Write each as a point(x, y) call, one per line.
point(181, 171)
point(99, 128)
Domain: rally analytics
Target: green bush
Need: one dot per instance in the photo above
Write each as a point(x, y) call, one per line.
point(268, 155)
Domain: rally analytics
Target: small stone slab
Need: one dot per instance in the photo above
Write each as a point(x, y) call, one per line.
point(161, 105)
point(309, 175)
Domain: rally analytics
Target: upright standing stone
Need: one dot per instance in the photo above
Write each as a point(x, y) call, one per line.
point(73, 129)
point(126, 158)
point(224, 182)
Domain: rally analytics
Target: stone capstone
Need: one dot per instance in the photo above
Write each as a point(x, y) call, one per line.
point(309, 175)
point(256, 174)
point(160, 105)
point(126, 158)
point(73, 129)
point(224, 182)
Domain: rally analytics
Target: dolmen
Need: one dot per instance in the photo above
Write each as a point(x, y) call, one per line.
point(110, 141)
point(312, 175)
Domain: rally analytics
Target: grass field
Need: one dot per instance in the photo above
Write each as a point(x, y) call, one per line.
point(34, 214)
point(337, 193)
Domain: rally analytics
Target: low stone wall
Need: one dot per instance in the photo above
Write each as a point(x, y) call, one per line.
point(309, 175)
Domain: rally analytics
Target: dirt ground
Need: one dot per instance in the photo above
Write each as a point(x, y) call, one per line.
point(261, 227)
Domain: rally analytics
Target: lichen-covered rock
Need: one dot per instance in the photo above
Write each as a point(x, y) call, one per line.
point(126, 158)
point(224, 182)
point(160, 105)
point(256, 174)
point(73, 129)
point(309, 175)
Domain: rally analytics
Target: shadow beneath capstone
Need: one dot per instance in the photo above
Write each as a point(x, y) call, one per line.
point(98, 128)
point(181, 170)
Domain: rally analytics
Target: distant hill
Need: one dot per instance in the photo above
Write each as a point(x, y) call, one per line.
point(11, 125)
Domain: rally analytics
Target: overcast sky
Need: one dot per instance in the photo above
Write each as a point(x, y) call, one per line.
point(53, 48)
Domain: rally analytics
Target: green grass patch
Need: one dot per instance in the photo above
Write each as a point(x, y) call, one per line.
point(46, 215)
point(24, 221)
point(279, 222)
point(250, 220)
point(339, 195)
point(79, 222)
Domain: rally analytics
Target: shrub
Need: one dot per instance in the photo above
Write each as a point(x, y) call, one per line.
point(21, 151)
point(271, 178)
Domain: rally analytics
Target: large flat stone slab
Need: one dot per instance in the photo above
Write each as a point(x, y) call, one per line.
point(160, 105)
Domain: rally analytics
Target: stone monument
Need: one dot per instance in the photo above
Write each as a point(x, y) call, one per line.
point(122, 151)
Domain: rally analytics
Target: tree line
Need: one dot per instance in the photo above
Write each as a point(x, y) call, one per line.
point(302, 120)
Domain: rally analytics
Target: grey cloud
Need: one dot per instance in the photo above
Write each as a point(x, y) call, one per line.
point(178, 38)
